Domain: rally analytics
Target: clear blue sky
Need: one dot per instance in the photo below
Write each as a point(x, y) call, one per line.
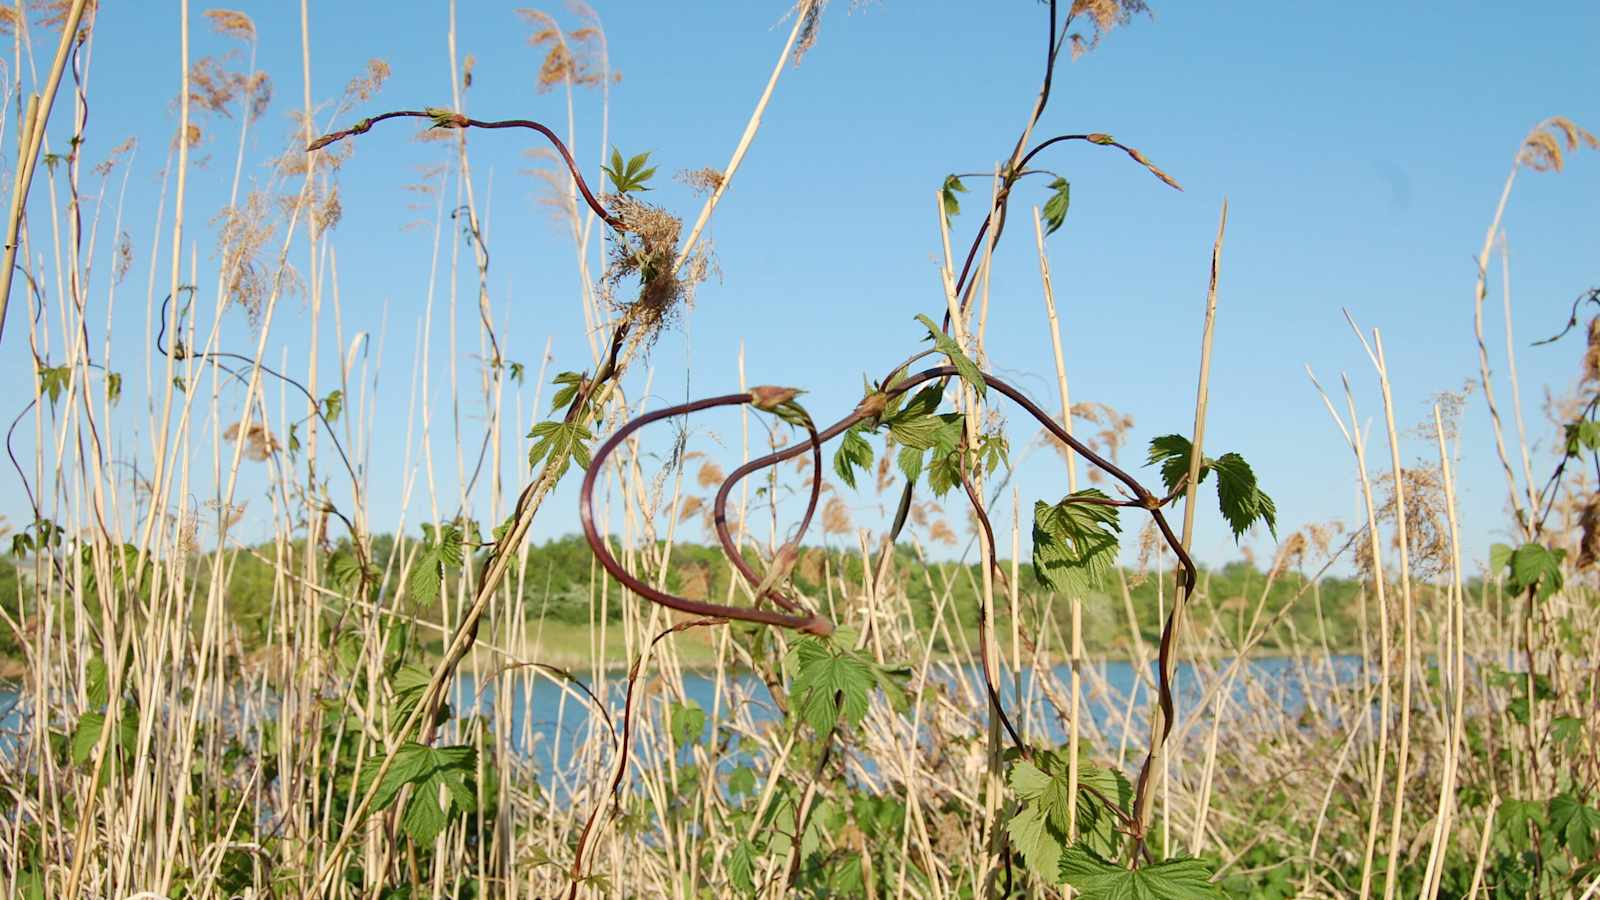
point(1361, 147)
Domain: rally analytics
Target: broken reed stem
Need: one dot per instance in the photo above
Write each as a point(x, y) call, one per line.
point(1202, 397)
point(745, 140)
point(1055, 346)
point(32, 140)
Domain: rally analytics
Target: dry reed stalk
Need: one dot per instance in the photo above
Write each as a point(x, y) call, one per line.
point(1402, 756)
point(1511, 373)
point(1456, 630)
point(1356, 441)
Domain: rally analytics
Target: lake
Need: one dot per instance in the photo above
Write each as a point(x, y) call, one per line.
point(547, 720)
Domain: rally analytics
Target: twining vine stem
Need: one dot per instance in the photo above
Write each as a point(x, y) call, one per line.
point(871, 406)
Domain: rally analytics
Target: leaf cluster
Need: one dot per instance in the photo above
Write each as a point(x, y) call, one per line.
point(439, 778)
point(1240, 497)
point(1530, 567)
point(631, 175)
point(439, 553)
point(832, 683)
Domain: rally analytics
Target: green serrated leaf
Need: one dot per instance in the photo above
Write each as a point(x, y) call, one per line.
point(571, 383)
point(53, 381)
point(944, 462)
point(410, 763)
point(1567, 730)
point(424, 818)
point(410, 683)
point(558, 443)
point(344, 570)
point(965, 367)
point(1242, 500)
point(433, 772)
point(98, 683)
point(742, 867)
point(1043, 784)
point(440, 553)
point(921, 404)
point(1171, 452)
point(426, 577)
point(910, 462)
point(914, 424)
point(995, 451)
point(952, 186)
point(742, 781)
point(1576, 824)
point(332, 405)
point(830, 684)
point(854, 453)
point(447, 544)
point(1533, 567)
point(1075, 543)
point(628, 176)
point(1055, 209)
point(86, 734)
point(1582, 435)
point(31, 885)
point(1039, 845)
point(1173, 879)
point(687, 722)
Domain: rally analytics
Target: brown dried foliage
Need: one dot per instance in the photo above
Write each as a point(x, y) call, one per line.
point(124, 260)
point(1591, 353)
point(365, 86)
point(1102, 16)
point(1427, 521)
point(836, 517)
point(46, 14)
point(703, 181)
point(242, 234)
point(232, 23)
point(259, 442)
point(1544, 148)
point(813, 566)
point(213, 88)
point(810, 12)
point(710, 475)
point(1589, 543)
point(688, 507)
point(647, 250)
point(1107, 441)
point(575, 58)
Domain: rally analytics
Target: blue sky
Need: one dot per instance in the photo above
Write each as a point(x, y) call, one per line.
point(1361, 148)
